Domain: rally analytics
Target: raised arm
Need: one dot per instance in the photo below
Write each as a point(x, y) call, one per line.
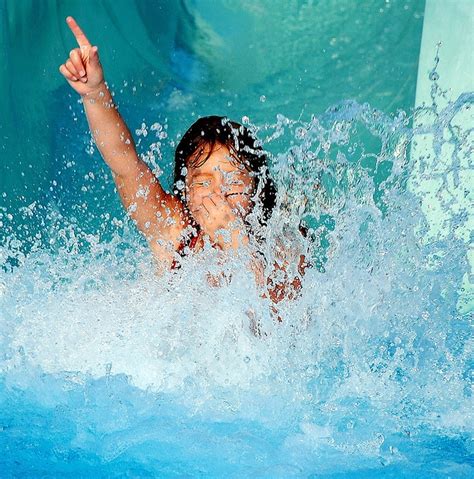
point(159, 215)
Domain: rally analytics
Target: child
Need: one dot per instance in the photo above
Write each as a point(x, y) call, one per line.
point(220, 176)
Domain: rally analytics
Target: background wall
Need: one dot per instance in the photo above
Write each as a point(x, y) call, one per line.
point(450, 185)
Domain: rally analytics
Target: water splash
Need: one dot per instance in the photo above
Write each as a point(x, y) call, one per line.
point(370, 363)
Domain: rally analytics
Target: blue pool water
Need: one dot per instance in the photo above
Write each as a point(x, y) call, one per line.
point(107, 370)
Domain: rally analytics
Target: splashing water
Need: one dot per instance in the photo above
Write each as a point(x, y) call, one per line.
point(107, 367)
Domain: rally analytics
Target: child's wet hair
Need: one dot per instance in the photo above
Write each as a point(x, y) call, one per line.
point(207, 133)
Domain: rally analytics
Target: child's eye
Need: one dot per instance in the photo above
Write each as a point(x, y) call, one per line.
point(238, 193)
point(235, 181)
point(205, 184)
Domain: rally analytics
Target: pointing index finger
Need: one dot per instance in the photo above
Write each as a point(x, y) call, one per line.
point(77, 32)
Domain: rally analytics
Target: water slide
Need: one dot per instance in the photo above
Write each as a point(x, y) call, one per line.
point(302, 56)
point(106, 369)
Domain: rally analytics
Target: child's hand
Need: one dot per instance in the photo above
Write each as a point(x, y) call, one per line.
point(221, 222)
point(82, 69)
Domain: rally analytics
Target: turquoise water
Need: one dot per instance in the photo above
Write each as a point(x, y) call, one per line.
point(110, 371)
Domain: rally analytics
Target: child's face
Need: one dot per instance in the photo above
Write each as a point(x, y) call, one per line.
point(221, 175)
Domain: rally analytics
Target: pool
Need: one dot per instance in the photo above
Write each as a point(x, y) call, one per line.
point(109, 371)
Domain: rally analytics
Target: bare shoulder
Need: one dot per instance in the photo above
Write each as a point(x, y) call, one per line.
point(287, 271)
point(159, 215)
point(171, 230)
